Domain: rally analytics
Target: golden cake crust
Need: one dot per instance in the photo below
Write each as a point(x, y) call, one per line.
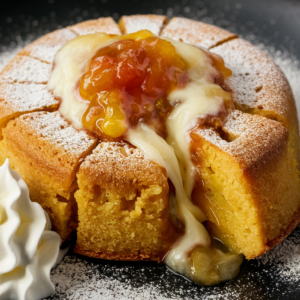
point(51, 142)
point(118, 165)
point(47, 46)
point(267, 95)
point(17, 99)
point(259, 86)
point(119, 185)
point(254, 141)
point(44, 146)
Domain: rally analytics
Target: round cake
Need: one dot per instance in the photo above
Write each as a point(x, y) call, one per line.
point(118, 199)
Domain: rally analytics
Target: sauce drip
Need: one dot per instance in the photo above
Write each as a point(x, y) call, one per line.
point(129, 81)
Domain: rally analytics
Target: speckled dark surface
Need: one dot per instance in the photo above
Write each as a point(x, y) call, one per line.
point(83, 278)
point(275, 24)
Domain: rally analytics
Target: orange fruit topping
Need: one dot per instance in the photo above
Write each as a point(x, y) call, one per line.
point(129, 81)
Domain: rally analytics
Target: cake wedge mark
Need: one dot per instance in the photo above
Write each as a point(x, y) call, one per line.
point(153, 23)
point(26, 69)
point(43, 145)
point(259, 87)
point(196, 33)
point(106, 25)
point(224, 41)
point(47, 46)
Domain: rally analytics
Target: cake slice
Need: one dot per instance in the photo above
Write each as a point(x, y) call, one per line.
point(259, 87)
point(107, 25)
point(46, 151)
point(154, 23)
point(123, 206)
point(17, 99)
point(26, 69)
point(196, 33)
point(248, 182)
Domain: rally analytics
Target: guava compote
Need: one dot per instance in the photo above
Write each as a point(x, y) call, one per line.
point(129, 81)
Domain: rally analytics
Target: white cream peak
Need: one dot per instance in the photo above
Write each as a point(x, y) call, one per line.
point(28, 247)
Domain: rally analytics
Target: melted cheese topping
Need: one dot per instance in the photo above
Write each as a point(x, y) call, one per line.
point(191, 103)
point(194, 102)
point(159, 151)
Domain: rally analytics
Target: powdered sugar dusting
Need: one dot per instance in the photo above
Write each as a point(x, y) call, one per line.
point(26, 69)
point(45, 53)
point(211, 135)
point(91, 284)
point(53, 127)
point(196, 33)
point(251, 136)
point(107, 25)
point(6, 56)
point(290, 66)
point(77, 278)
point(26, 97)
point(136, 23)
point(46, 47)
point(238, 123)
point(285, 259)
point(256, 80)
point(117, 150)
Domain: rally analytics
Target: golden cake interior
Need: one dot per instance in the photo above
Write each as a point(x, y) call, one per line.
point(248, 180)
point(124, 211)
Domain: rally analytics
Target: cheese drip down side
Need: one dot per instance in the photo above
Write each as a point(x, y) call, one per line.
point(156, 149)
point(195, 101)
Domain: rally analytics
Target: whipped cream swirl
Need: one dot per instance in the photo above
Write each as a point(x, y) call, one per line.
point(28, 247)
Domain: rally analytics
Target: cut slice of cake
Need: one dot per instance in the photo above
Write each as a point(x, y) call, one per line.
point(248, 184)
point(123, 206)
point(47, 46)
point(46, 151)
point(259, 87)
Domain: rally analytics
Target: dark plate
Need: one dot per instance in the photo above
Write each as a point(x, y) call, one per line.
point(274, 25)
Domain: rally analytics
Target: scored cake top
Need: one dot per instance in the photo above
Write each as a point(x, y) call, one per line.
point(251, 93)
